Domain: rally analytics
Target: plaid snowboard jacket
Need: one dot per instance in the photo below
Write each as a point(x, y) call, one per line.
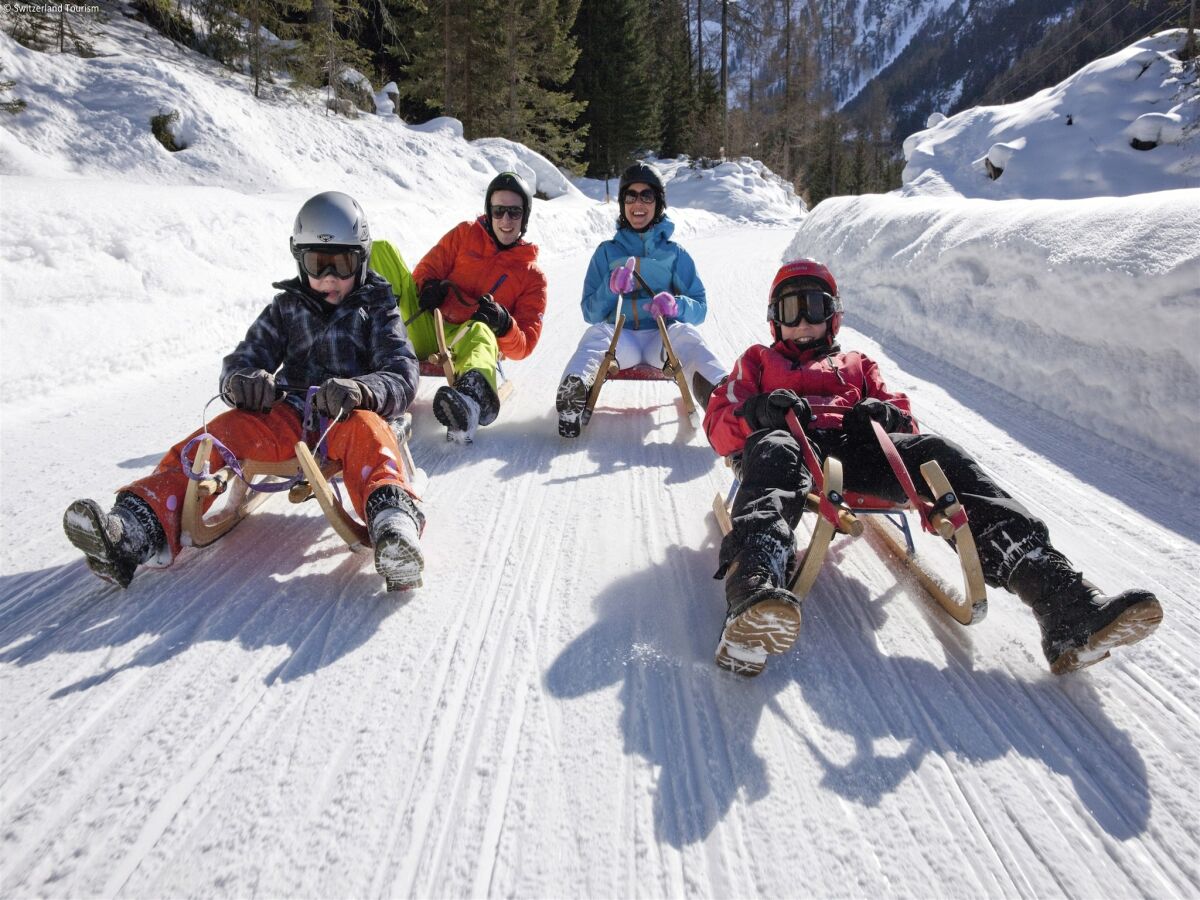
point(304, 341)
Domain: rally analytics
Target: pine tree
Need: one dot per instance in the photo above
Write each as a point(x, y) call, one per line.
point(264, 56)
point(223, 38)
point(672, 77)
point(613, 75)
point(14, 105)
point(329, 52)
point(389, 34)
point(540, 54)
point(42, 26)
point(500, 67)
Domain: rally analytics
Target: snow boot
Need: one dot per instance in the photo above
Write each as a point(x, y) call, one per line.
point(395, 525)
point(702, 390)
point(466, 406)
point(763, 617)
point(117, 542)
point(1080, 625)
point(571, 402)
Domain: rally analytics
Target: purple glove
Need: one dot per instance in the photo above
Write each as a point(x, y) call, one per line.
point(663, 304)
point(621, 280)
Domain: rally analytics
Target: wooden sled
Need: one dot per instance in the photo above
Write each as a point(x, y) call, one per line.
point(610, 371)
point(199, 527)
point(839, 512)
point(441, 363)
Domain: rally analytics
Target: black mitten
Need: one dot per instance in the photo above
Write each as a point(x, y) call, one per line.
point(493, 315)
point(770, 410)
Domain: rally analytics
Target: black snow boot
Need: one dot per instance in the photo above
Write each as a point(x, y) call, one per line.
point(467, 405)
point(1080, 625)
point(702, 390)
point(117, 542)
point(395, 525)
point(763, 616)
point(571, 402)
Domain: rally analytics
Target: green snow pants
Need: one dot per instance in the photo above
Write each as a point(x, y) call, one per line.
point(474, 349)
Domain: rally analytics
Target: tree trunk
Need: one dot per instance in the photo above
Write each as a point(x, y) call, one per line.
point(724, 77)
point(446, 58)
point(787, 89)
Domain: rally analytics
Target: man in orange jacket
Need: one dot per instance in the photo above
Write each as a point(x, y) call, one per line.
point(483, 274)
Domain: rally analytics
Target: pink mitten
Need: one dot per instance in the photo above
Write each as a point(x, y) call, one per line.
point(621, 280)
point(663, 304)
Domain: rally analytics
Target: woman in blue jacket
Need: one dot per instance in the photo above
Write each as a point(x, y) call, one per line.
point(675, 293)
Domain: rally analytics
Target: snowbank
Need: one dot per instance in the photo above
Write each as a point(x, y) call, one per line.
point(1086, 308)
point(1075, 139)
point(743, 189)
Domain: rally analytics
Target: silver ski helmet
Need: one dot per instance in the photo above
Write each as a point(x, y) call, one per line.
point(645, 174)
point(508, 181)
point(330, 222)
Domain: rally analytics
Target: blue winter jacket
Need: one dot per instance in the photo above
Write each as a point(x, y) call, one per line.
point(302, 340)
point(663, 265)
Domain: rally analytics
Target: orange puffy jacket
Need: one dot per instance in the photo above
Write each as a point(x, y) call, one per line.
point(468, 257)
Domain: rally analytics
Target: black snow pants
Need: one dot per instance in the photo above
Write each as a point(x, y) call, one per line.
point(775, 482)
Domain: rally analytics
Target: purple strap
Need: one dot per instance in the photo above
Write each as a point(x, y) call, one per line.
point(235, 464)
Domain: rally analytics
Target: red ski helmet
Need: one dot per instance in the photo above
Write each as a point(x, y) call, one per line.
point(795, 269)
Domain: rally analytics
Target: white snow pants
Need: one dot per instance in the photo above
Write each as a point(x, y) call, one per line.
point(636, 347)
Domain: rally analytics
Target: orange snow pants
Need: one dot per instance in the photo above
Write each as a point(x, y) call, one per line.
point(364, 444)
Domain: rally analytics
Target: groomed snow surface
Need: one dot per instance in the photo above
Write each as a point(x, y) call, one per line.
point(543, 718)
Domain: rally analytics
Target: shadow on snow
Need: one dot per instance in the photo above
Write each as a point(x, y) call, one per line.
point(697, 724)
point(249, 587)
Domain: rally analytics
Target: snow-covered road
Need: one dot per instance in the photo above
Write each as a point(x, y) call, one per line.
point(544, 717)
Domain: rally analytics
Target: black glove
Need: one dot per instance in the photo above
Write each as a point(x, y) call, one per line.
point(433, 294)
point(493, 315)
point(857, 421)
point(770, 410)
point(338, 397)
point(251, 389)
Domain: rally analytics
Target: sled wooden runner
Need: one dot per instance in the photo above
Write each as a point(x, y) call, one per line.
point(199, 529)
point(352, 532)
point(609, 370)
point(839, 512)
point(673, 369)
point(443, 359)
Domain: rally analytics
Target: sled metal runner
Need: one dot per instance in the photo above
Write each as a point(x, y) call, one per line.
point(200, 526)
point(441, 363)
point(842, 512)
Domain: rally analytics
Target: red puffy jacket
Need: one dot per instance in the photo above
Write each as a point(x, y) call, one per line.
point(469, 258)
point(822, 378)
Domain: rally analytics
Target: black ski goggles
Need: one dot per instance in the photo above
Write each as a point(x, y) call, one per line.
point(795, 306)
point(317, 262)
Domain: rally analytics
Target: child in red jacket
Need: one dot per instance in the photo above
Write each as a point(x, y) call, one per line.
point(805, 368)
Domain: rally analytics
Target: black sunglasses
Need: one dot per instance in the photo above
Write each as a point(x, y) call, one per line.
point(812, 306)
point(646, 196)
point(512, 212)
point(317, 262)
